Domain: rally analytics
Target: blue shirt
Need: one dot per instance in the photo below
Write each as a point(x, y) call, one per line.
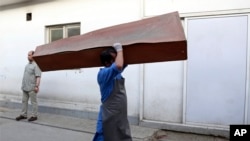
point(105, 78)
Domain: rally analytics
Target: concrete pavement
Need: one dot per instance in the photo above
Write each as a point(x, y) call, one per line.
point(50, 127)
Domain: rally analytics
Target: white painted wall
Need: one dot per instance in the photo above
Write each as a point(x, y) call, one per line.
point(163, 92)
point(71, 86)
point(155, 7)
point(78, 89)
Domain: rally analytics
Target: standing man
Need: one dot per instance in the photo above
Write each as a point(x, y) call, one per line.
point(30, 88)
point(112, 123)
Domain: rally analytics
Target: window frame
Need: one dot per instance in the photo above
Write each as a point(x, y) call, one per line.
point(64, 27)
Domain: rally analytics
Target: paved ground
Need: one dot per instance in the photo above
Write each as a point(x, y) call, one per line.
point(50, 127)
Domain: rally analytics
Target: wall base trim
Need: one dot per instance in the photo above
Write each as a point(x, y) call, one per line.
point(204, 130)
point(64, 112)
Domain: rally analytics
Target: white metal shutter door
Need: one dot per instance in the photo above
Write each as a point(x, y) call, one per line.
point(216, 70)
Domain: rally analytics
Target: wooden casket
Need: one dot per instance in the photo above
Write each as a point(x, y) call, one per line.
point(156, 39)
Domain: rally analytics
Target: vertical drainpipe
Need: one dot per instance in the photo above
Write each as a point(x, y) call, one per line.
point(141, 71)
point(184, 107)
point(247, 103)
point(141, 92)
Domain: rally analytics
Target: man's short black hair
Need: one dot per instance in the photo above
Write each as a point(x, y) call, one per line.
point(106, 57)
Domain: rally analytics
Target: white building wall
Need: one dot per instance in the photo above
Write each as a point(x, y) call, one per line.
point(77, 89)
point(60, 87)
